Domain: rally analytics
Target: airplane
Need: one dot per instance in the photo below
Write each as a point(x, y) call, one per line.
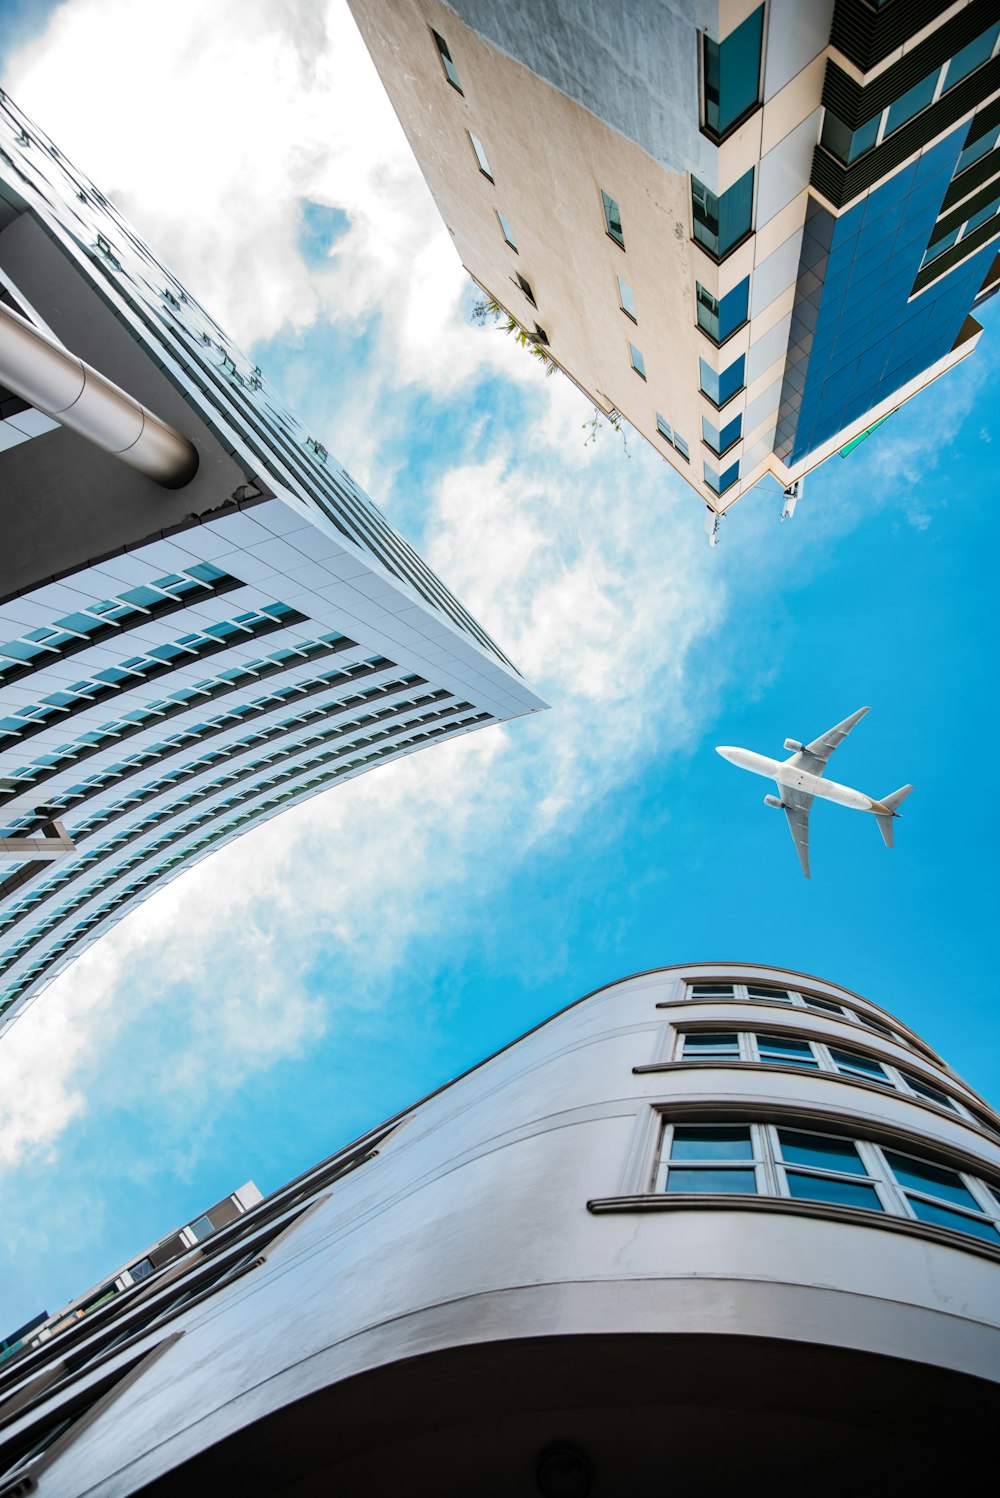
point(800, 779)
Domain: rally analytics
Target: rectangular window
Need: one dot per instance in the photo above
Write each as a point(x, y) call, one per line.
point(732, 75)
point(854, 1065)
point(525, 287)
point(761, 991)
point(721, 385)
point(971, 57)
point(682, 448)
point(720, 223)
point(711, 990)
point(845, 144)
point(612, 219)
point(720, 482)
point(506, 231)
point(927, 1187)
point(626, 300)
point(827, 1169)
point(912, 102)
point(925, 1090)
point(638, 362)
point(978, 149)
point(663, 428)
point(787, 1052)
point(711, 1158)
point(711, 1043)
point(826, 1006)
point(479, 149)
point(721, 441)
point(450, 71)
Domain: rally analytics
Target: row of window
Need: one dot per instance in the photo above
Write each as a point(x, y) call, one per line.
point(764, 1159)
point(848, 145)
point(105, 617)
point(811, 1055)
point(961, 231)
point(771, 993)
point(183, 651)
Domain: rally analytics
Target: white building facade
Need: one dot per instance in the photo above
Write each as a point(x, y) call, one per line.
point(726, 1222)
point(178, 664)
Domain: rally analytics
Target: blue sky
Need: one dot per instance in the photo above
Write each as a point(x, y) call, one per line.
point(343, 960)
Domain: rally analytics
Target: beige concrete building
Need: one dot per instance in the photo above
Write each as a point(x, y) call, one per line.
point(752, 230)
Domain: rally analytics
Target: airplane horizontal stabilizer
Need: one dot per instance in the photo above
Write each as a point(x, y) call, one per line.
point(885, 827)
point(891, 801)
point(897, 796)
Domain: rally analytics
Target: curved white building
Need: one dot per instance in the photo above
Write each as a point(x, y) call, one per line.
point(711, 1224)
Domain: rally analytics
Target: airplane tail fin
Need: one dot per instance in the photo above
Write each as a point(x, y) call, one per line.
point(891, 801)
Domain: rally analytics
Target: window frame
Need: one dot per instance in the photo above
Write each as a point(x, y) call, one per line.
point(608, 202)
point(447, 62)
point(636, 359)
point(717, 134)
point(482, 160)
point(623, 288)
point(506, 231)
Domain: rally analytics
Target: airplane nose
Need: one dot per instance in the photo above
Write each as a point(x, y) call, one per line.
point(726, 751)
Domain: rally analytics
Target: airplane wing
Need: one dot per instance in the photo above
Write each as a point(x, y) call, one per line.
point(796, 805)
point(814, 756)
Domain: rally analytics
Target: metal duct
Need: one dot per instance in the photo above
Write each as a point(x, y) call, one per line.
point(55, 381)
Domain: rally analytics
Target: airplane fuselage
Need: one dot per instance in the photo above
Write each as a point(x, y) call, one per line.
point(782, 772)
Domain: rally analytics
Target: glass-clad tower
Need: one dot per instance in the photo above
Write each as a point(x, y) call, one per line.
point(752, 230)
point(719, 1227)
point(203, 619)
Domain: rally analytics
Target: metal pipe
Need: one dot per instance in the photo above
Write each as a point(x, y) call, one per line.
point(49, 377)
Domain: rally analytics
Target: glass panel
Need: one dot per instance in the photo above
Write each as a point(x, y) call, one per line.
point(940, 245)
point(981, 216)
point(924, 1089)
point(829, 1189)
point(932, 1179)
point(844, 144)
point(707, 309)
point(663, 428)
point(712, 990)
point(720, 482)
point(506, 230)
point(760, 991)
point(484, 165)
point(704, 1142)
point(970, 58)
point(850, 1061)
point(931, 1212)
point(705, 213)
point(712, 1043)
point(978, 149)
point(686, 1179)
point(734, 309)
point(613, 219)
point(913, 101)
point(721, 387)
point(638, 363)
point(735, 213)
point(450, 71)
point(681, 446)
point(823, 1004)
point(820, 1150)
point(732, 74)
point(625, 299)
point(780, 1048)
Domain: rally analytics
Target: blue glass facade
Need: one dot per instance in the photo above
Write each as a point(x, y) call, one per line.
point(868, 338)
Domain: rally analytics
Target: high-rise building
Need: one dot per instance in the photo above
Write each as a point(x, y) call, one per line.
point(753, 230)
point(714, 1225)
point(203, 619)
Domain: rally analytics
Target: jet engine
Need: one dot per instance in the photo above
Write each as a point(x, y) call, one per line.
point(794, 745)
point(773, 801)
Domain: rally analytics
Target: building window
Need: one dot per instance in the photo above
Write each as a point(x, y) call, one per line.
point(638, 362)
point(541, 336)
point(721, 385)
point(803, 1164)
point(978, 149)
point(525, 287)
point(613, 219)
point(720, 223)
point(961, 232)
point(506, 231)
point(721, 319)
point(927, 1091)
point(626, 300)
point(851, 1064)
point(721, 441)
point(848, 145)
point(770, 994)
point(484, 165)
point(720, 482)
point(450, 71)
point(674, 438)
point(731, 73)
point(711, 1045)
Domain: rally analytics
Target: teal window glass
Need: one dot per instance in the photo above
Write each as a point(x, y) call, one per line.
point(708, 311)
point(932, 1179)
point(721, 222)
point(697, 1178)
point(638, 362)
point(712, 1043)
point(820, 1151)
point(450, 71)
point(971, 57)
point(613, 219)
point(832, 1189)
point(945, 1217)
point(721, 386)
point(626, 300)
point(720, 482)
point(824, 1005)
point(978, 149)
point(484, 165)
point(732, 74)
point(854, 1065)
point(982, 216)
point(783, 1049)
point(721, 441)
point(925, 1090)
point(711, 990)
point(506, 230)
point(663, 428)
point(846, 145)
point(682, 447)
point(912, 102)
point(711, 1142)
point(759, 991)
